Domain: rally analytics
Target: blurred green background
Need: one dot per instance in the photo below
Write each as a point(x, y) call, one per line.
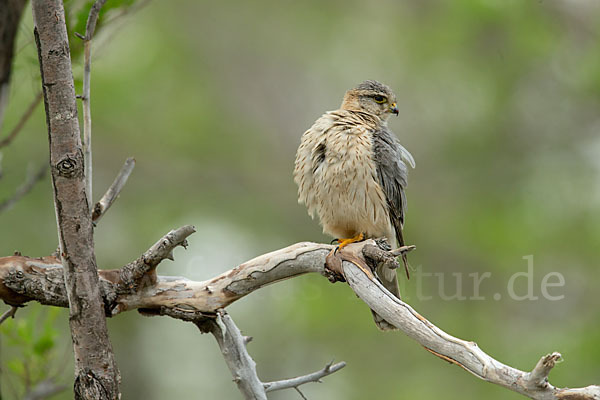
point(499, 104)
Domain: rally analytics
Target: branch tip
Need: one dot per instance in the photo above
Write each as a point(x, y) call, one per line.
point(328, 369)
point(538, 377)
point(8, 314)
point(112, 193)
point(403, 250)
point(300, 393)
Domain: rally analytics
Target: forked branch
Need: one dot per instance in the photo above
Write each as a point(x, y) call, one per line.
point(293, 383)
point(243, 368)
point(200, 301)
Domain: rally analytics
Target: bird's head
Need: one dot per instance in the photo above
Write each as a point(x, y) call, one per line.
point(371, 97)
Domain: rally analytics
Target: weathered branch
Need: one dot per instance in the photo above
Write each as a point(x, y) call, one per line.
point(449, 348)
point(195, 301)
point(113, 191)
point(301, 380)
point(538, 377)
point(96, 373)
point(30, 181)
point(141, 273)
point(233, 347)
point(243, 368)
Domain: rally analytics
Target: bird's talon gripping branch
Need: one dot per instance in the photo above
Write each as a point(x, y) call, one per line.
point(345, 242)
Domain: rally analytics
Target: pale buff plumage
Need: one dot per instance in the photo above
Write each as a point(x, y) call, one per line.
point(351, 172)
point(343, 190)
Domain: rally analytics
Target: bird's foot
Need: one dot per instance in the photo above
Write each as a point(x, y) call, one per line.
point(345, 242)
point(349, 252)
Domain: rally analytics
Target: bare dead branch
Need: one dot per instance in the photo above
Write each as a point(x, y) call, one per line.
point(243, 368)
point(10, 313)
point(538, 377)
point(301, 380)
point(15, 131)
point(232, 345)
point(26, 187)
point(196, 301)
point(300, 393)
point(114, 190)
point(462, 353)
point(141, 272)
point(401, 250)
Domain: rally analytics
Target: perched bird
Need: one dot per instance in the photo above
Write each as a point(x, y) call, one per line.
point(351, 171)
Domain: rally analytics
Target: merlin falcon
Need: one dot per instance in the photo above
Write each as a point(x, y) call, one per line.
point(352, 172)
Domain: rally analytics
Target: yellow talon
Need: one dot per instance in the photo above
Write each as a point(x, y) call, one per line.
point(345, 242)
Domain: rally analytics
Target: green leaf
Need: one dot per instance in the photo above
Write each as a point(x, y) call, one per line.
point(17, 366)
point(43, 345)
point(25, 331)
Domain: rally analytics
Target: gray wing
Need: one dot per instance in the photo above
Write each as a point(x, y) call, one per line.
point(392, 172)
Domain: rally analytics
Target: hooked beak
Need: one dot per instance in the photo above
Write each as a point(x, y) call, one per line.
point(394, 109)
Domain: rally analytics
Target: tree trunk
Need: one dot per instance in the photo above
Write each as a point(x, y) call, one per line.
point(96, 373)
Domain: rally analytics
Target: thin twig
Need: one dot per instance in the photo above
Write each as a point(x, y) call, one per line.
point(233, 348)
point(30, 109)
point(113, 191)
point(90, 26)
point(25, 188)
point(301, 380)
point(401, 250)
point(300, 393)
point(9, 314)
point(85, 99)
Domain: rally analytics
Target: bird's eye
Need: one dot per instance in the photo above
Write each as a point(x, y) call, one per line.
point(379, 99)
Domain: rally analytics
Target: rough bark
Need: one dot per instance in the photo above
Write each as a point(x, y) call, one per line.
point(96, 373)
point(24, 279)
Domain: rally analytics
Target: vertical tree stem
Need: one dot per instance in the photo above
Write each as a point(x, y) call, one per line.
point(96, 373)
